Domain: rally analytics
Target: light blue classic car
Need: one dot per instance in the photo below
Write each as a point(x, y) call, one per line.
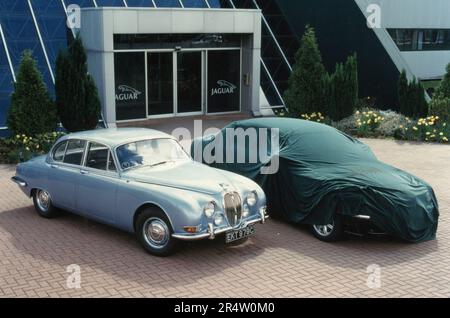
point(142, 181)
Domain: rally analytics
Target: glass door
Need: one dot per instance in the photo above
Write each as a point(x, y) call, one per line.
point(160, 83)
point(189, 82)
point(224, 81)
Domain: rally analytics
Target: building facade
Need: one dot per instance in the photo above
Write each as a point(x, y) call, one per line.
point(164, 69)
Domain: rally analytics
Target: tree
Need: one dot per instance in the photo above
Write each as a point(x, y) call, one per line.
point(344, 90)
point(411, 95)
point(402, 91)
point(440, 105)
point(305, 93)
point(76, 94)
point(443, 90)
point(32, 111)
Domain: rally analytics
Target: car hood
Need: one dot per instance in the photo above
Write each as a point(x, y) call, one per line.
point(190, 176)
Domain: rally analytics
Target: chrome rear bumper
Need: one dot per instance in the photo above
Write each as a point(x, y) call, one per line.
point(19, 181)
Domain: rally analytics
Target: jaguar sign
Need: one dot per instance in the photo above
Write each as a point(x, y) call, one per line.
point(223, 88)
point(127, 93)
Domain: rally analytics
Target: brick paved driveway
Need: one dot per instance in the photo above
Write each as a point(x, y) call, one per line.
point(280, 261)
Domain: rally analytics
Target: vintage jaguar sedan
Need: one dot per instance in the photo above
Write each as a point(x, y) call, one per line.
point(142, 181)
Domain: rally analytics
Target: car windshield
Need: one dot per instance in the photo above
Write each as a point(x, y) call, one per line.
point(150, 153)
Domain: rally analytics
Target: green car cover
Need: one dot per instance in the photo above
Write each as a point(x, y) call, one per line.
point(323, 171)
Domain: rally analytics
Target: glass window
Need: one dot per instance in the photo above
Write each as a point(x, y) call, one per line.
point(130, 85)
point(160, 83)
point(140, 3)
point(170, 41)
point(110, 3)
point(224, 75)
point(20, 34)
point(194, 3)
point(60, 150)
point(51, 19)
point(6, 85)
point(74, 152)
point(167, 3)
point(97, 156)
point(219, 3)
point(150, 153)
point(421, 39)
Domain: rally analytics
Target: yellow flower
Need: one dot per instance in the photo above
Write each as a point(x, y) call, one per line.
point(37, 146)
point(441, 134)
point(445, 139)
point(358, 112)
point(401, 126)
point(28, 149)
point(428, 133)
point(415, 128)
point(18, 136)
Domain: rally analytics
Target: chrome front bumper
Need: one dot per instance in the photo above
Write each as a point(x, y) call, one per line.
point(19, 181)
point(211, 233)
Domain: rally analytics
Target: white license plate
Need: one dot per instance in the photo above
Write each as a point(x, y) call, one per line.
point(236, 235)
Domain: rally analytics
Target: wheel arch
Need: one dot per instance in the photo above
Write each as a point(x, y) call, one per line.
point(149, 205)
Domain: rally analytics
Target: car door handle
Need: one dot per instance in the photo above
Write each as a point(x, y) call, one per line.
point(54, 166)
point(84, 172)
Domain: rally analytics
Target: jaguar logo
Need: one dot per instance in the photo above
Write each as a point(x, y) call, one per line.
point(127, 93)
point(224, 87)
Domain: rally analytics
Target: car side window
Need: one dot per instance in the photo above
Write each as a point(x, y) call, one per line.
point(99, 157)
point(74, 152)
point(58, 154)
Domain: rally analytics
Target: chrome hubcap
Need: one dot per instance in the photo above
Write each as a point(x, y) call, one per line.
point(324, 230)
point(43, 200)
point(156, 233)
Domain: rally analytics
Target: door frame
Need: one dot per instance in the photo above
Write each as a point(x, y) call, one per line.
point(176, 113)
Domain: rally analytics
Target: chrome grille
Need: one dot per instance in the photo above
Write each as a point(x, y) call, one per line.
point(233, 208)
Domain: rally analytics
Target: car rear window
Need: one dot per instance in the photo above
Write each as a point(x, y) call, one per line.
point(58, 154)
point(74, 152)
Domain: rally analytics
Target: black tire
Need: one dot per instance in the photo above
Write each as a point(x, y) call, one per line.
point(157, 219)
point(44, 208)
point(329, 233)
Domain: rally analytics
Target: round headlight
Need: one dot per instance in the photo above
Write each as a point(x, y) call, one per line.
point(218, 220)
point(252, 198)
point(245, 211)
point(209, 209)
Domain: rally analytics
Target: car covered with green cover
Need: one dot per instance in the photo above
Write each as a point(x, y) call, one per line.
point(327, 179)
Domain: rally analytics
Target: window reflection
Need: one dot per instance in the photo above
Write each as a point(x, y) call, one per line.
point(421, 39)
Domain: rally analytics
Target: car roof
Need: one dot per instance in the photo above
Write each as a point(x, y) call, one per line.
point(117, 136)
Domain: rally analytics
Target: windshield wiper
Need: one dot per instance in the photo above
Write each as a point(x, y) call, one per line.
point(160, 163)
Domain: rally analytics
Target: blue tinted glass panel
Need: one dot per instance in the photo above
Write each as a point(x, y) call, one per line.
point(110, 3)
point(81, 3)
point(140, 3)
point(51, 19)
point(219, 3)
point(6, 86)
point(194, 4)
point(20, 34)
point(167, 4)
